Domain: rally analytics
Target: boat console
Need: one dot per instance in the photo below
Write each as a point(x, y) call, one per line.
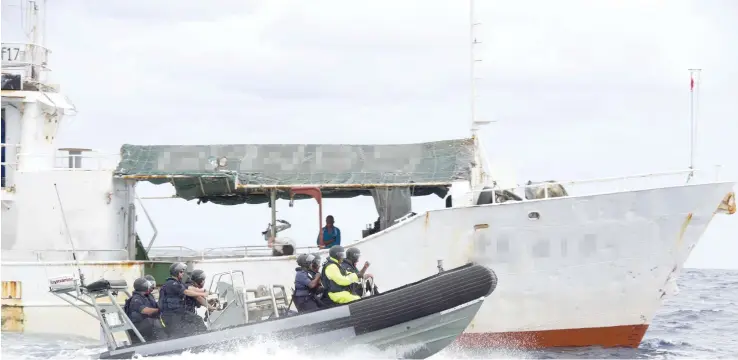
point(238, 305)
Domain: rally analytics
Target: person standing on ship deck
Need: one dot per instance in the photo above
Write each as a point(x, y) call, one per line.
point(329, 234)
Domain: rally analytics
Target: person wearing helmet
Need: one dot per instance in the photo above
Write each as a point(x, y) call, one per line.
point(336, 279)
point(172, 297)
point(315, 271)
point(349, 265)
point(307, 284)
point(152, 282)
point(143, 311)
point(315, 265)
point(196, 281)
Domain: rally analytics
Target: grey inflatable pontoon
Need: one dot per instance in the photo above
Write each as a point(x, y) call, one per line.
point(416, 320)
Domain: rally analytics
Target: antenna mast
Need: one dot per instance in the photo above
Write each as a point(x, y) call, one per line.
point(694, 80)
point(472, 68)
point(30, 55)
point(33, 33)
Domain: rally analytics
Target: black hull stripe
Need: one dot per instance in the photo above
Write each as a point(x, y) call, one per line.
point(433, 296)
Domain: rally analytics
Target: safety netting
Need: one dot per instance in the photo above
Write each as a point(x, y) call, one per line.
point(234, 174)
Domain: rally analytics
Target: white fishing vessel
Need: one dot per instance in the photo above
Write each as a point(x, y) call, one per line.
point(579, 263)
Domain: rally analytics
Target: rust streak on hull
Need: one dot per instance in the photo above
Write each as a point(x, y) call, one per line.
point(12, 318)
point(614, 336)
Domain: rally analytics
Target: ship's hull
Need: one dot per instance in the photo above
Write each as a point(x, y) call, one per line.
point(591, 270)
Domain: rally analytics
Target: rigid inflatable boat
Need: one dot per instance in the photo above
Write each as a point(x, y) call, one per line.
point(416, 320)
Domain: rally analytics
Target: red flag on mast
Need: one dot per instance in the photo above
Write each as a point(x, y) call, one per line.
point(691, 82)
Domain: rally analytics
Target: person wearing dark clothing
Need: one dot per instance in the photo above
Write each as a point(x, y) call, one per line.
point(196, 282)
point(315, 270)
point(143, 311)
point(172, 304)
point(307, 283)
point(349, 265)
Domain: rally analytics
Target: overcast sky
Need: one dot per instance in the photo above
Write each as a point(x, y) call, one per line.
point(579, 89)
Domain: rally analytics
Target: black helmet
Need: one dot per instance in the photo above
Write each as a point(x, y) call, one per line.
point(337, 252)
point(302, 260)
point(151, 280)
point(141, 284)
point(197, 276)
point(309, 259)
point(353, 254)
point(316, 259)
point(176, 268)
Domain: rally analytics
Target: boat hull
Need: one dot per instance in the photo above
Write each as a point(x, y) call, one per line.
point(416, 321)
point(592, 270)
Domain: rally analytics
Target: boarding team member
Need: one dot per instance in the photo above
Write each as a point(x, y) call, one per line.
point(143, 311)
point(315, 270)
point(196, 282)
point(337, 280)
point(177, 321)
point(307, 284)
point(349, 265)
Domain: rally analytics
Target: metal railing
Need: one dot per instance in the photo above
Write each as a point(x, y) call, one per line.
point(46, 255)
point(244, 251)
point(248, 251)
point(622, 183)
point(172, 251)
point(92, 160)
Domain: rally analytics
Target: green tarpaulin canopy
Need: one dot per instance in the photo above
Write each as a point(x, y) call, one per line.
point(235, 174)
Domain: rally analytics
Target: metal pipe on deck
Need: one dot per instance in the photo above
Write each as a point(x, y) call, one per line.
point(273, 204)
point(131, 245)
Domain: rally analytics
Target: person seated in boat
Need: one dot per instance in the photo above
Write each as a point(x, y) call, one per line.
point(177, 321)
point(330, 234)
point(143, 311)
point(349, 265)
point(196, 282)
point(337, 280)
point(307, 284)
point(315, 266)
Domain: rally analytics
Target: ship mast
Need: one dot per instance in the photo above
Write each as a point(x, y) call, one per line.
point(694, 80)
point(472, 68)
point(478, 169)
point(35, 32)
